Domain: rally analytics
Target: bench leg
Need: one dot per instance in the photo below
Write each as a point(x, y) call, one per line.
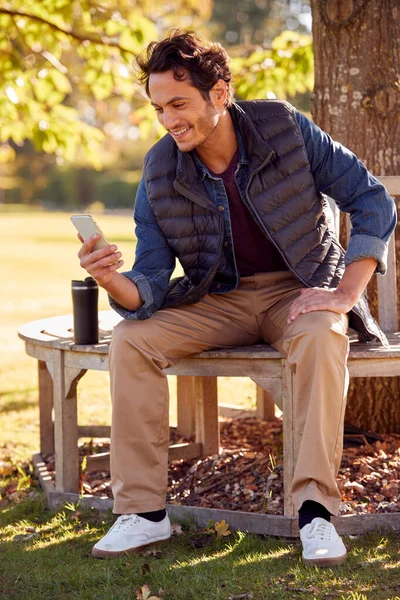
point(186, 405)
point(289, 442)
point(269, 394)
point(265, 405)
point(45, 409)
point(65, 381)
point(207, 426)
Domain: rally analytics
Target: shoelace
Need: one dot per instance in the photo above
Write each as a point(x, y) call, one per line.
point(124, 521)
point(320, 529)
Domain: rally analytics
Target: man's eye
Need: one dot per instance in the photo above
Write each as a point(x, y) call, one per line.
point(157, 109)
point(179, 105)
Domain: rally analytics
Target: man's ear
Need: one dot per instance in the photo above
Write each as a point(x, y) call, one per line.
point(219, 92)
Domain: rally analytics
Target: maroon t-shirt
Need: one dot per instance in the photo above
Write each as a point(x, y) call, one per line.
point(254, 253)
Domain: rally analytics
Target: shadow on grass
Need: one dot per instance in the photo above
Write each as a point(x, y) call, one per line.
point(57, 564)
point(18, 401)
point(194, 566)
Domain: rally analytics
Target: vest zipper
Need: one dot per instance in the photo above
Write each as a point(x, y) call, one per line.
point(194, 198)
point(259, 220)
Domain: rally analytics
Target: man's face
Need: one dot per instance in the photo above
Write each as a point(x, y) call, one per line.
point(182, 110)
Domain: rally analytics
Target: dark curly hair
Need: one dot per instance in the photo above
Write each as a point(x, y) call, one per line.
point(185, 53)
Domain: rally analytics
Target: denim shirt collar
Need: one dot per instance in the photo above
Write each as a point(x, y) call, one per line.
point(201, 167)
point(253, 150)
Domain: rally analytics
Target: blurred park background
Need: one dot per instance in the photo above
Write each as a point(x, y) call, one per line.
point(74, 128)
point(75, 125)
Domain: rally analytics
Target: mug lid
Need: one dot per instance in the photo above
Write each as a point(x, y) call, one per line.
point(89, 282)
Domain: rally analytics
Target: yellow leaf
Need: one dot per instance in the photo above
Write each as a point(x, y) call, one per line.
point(222, 528)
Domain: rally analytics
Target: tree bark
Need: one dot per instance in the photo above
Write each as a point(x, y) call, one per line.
point(357, 101)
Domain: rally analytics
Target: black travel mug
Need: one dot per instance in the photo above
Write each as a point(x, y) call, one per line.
point(85, 295)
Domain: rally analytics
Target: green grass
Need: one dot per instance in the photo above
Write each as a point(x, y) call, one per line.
point(57, 564)
point(38, 262)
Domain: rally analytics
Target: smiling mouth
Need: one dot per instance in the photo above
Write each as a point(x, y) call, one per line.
point(179, 132)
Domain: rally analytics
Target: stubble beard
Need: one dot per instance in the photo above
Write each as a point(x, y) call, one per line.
point(205, 128)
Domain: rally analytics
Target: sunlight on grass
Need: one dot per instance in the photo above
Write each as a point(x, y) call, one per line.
point(395, 565)
point(202, 559)
point(272, 554)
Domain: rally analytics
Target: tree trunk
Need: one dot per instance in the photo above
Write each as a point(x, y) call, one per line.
point(357, 101)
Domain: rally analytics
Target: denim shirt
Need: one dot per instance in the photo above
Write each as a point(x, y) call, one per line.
point(336, 171)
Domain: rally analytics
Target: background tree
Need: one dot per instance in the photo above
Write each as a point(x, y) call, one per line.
point(255, 23)
point(357, 101)
point(58, 57)
point(72, 100)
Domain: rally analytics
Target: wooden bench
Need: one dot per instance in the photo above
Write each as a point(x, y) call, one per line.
point(62, 364)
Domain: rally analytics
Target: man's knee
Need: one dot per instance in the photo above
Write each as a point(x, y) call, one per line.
point(127, 334)
point(320, 324)
point(322, 331)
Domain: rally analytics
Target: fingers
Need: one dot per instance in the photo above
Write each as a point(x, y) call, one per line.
point(87, 247)
point(100, 264)
point(310, 300)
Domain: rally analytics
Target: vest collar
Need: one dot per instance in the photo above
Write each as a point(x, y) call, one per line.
point(188, 183)
point(257, 148)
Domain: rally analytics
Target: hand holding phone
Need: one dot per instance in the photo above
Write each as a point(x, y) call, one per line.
point(87, 227)
point(99, 259)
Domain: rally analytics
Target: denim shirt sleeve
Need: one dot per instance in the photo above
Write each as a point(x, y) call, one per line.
point(338, 173)
point(154, 261)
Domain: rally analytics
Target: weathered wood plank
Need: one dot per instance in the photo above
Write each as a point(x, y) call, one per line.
point(42, 474)
point(273, 386)
point(387, 293)
point(45, 409)
point(186, 405)
point(233, 411)
point(373, 367)
point(277, 525)
point(391, 183)
point(94, 431)
point(101, 461)
point(265, 404)
point(65, 428)
point(207, 426)
point(226, 367)
point(289, 451)
point(86, 360)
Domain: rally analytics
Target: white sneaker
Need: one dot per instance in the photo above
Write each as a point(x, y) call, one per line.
point(322, 546)
point(129, 534)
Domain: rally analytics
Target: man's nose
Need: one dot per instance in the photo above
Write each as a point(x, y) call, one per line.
point(170, 119)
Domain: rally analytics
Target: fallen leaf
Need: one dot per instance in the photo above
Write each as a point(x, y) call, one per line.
point(144, 593)
point(6, 469)
point(152, 552)
point(176, 529)
point(222, 528)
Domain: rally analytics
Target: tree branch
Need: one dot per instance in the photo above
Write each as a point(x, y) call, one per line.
point(82, 37)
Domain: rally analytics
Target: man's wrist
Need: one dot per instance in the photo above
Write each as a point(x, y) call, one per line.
point(348, 296)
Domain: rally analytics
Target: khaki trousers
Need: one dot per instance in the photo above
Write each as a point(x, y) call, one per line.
point(316, 347)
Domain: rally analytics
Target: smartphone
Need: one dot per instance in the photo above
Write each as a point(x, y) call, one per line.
point(87, 227)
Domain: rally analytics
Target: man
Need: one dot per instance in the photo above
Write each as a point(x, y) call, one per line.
point(234, 191)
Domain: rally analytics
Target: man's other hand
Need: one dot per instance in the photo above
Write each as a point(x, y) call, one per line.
point(100, 264)
point(312, 299)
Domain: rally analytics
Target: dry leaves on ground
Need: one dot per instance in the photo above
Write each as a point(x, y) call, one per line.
point(247, 475)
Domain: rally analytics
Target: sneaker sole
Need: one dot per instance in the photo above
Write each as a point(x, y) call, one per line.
point(325, 562)
point(98, 553)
